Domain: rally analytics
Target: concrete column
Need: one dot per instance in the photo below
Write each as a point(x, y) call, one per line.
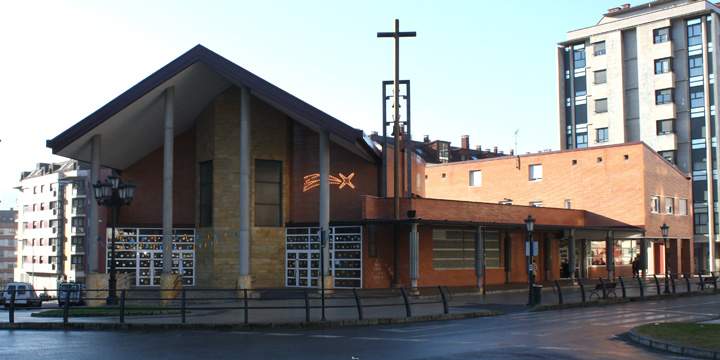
point(610, 253)
point(167, 190)
point(244, 278)
point(93, 237)
point(571, 254)
point(324, 216)
point(414, 255)
point(480, 258)
point(708, 147)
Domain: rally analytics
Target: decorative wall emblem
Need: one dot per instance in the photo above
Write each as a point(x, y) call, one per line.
point(313, 180)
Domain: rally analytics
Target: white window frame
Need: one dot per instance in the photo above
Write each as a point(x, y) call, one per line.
point(682, 207)
point(535, 172)
point(669, 205)
point(474, 181)
point(655, 204)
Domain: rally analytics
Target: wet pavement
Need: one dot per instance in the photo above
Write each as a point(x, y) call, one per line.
point(581, 333)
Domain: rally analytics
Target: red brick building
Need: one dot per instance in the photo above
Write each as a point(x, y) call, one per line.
point(240, 198)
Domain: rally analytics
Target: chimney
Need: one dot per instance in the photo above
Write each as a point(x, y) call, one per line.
point(495, 149)
point(426, 139)
point(465, 141)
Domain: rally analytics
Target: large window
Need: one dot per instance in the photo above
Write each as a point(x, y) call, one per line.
point(602, 135)
point(663, 96)
point(682, 207)
point(666, 126)
point(268, 193)
point(600, 76)
point(700, 220)
point(694, 34)
point(453, 249)
point(697, 97)
point(662, 66)
point(661, 35)
point(598, 253)
point(475, 178)
point(625, 251)
point(206, 193)
point(443, 151)
point(599, 48)
point(695, 65)
point(601, 106)
point(581, 140)
point(492, 249)
point(579, 57)
point(654, 204)
point(535, 172)
point(669, 205)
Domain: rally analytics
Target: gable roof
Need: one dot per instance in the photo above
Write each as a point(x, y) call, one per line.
point(299, 110)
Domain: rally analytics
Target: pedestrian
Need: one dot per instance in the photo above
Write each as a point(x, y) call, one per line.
point(636, 267)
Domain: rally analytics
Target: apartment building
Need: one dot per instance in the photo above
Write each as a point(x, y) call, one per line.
point(8, 246)
point(51, 224)
point(646, 73)
point(628, 183)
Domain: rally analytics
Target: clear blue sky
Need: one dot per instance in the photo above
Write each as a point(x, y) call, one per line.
point(482, 68)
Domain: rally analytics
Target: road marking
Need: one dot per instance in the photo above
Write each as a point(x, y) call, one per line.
point(419, 328)
point(367, 338)
point(281, 334)
point(326, 336)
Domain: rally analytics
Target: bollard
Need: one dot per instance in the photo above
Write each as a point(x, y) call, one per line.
point(122, 306)
point(444, 300)
point(622, 286)
point(559, 291)
point(66, 307)
point(672, 283)
point(307, 306)
point(687, 283)
point(11, 314)
point(701, 283)
point(358, 304)
point(408, 311)
point(183, 300)
point(657, 283)
point(604, 289)
point(642, 289)
point(245, 306)
point(582, 290)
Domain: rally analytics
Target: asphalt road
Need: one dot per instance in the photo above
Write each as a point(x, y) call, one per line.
point(590, 333)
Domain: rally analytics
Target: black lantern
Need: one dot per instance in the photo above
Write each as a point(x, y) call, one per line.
point(529, 223)
point(530, 226)
point(665, 230)
point(113, 193)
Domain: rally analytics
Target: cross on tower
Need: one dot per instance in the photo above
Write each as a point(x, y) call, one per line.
point(397, 34)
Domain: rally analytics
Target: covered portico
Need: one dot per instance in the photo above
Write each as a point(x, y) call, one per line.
point(195, 136)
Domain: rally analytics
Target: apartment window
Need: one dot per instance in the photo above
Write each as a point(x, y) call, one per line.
point(601, 106)
point(475, 178)
point(661, 35)
point(268, 193)
point(654, 204)
point(580, 86)
point(695, 65)
point(666, 126)
point(663, 96)
point(536, 203)
point(662, 66)
point(700, 222)
point(682, 207)
point(206, 193)
point(581, 140)
point(453, 249)
point(443, 151)
point(694, 34)
point(535, 171)
point(602, 135)
point(579, 57)
point(492, 249)
point(697, 97)
point(668, 155)
point(599, 48)
point(669, 205)
point(600, 76)
point(568, 204)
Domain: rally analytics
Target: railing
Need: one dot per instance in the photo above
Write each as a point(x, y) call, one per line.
point(246, 306)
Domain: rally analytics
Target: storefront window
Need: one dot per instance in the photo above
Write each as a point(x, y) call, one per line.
point(626, 251)
point(598, 252)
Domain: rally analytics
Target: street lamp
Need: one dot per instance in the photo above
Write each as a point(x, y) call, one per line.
point(665, 229)
point(529, 226)
point(113, 193)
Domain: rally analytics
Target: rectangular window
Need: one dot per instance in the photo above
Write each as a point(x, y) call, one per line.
point(535, 171)
point(206, 193)
point(492, 249)
point(668, 155)
point(581, 114)
point(694, 34)
point(581, 140)
point(579, 58)
point(625, 251)
point(662, 66)
point(475, 178)
point(697, 97)
point(568, 204)
point(598, 252)
point(600, 76)
point(580, 86)
point(663, 96)
point(695, 65)
point(443, 151)
point(700, 220)
point(661, 35)
point(682, 207)
point(268, 193)
point(599, 48)
point(453, 249)
point(654, 204)
point(602, 135)
point(601, 106)
point(669, 205)
point(665, 127)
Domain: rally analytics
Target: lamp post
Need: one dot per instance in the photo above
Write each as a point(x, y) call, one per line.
point(113, 193)
point(665, 229)
point(529, 226)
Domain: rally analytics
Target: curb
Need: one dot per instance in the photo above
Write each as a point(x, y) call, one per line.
point(614, 301)
point(233, 327)
point(671, 348)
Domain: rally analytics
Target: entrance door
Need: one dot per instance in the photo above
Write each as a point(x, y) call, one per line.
point(302, 256)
